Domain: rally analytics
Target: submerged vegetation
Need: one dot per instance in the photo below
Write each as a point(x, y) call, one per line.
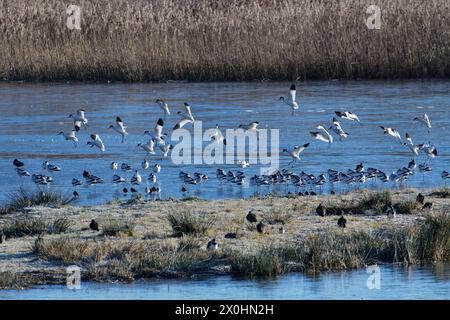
point(223, 40)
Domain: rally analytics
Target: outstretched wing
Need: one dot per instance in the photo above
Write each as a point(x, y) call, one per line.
point(182, 123)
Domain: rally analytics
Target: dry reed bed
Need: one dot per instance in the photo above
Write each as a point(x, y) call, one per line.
point(223, 40)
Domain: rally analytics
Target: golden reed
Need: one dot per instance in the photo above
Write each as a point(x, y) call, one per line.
point(207, 40)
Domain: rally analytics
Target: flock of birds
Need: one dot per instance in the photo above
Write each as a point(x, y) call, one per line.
point(157, 143)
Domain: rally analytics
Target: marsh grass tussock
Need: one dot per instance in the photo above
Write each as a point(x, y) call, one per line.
point(230, 40)
point(118, 227)
point(22, 198)
point(30, 226)
point(188, 223)
point(373, 202)
point(267, 262)
point(441, 193)
point(122, 260)
point(331, 251)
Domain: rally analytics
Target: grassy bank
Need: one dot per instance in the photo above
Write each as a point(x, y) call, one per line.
point(223, 40)
point(168, 238)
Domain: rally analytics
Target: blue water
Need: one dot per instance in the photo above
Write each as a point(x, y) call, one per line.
point(424, 282)
point(33, 114)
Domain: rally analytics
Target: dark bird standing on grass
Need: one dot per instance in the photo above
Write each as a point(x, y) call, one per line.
point(342, 222)
point(231, 235)
point(428, 205)
point(420, 199)
point(260, 227)
point(93, 225)
point(251, 217)
point(18, 163)
point(321, 211)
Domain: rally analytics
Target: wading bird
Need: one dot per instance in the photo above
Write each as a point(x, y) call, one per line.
point(347, 115)
point(120, 128)
point(162, 103)
point(96, 142)
point(291, 100)
point(70, 136)
point(424, 120)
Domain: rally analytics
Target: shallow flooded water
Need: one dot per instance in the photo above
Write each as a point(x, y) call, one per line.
point(33, 114)
point(395, 282)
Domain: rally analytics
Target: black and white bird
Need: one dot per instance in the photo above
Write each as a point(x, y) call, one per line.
point(162, 103)
point(148, 147)
point(22, 172)
point(120, 128)
point(152, 178)
point(165, 149)
point(212, 245)
point(336, 128)
point(347, 115)
point(295, 153)
point(180, 124)
point(291, 100)
point(187, 114)
point(114, 166)
point(415, 149)
point(392, 132)
point(157, 168)
point(50, 167)
point(390, 211)
point(324, 136)
point(96, 142)
point(218, 136)
point(424, 167)
point(157, 134)
point(359, 167)
point(76, 182)
point(445, 175)
point(118, 179)
point(429, 149)
point(136, 178)
point(70, 136)
point(125, 166)
point(243, 164)
point(145, 164)
point(250, 127)
point(79, 119)
point(424, 120)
